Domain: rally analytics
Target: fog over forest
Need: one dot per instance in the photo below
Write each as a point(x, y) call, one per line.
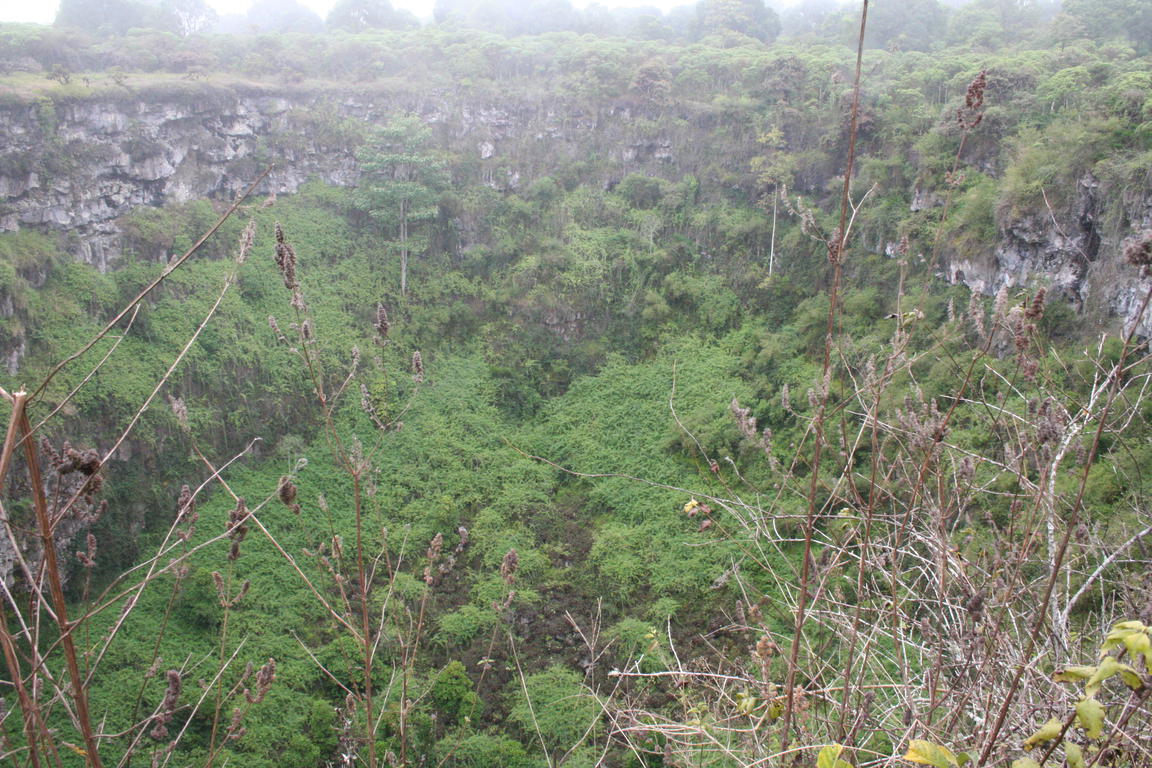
point(534, 384)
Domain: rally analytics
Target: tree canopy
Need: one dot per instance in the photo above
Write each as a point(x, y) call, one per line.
point(400, 184)
point(748, 17)
point(283, 16)
point(362, 15)
point(911, 25)
point(1128, 19)
point(118, 16)
point(611, 251)
point(509, 17)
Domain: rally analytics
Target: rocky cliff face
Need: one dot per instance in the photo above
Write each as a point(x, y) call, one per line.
point(79, 166)
point(1075, 251)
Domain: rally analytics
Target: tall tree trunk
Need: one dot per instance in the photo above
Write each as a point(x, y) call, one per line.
point(403, 247)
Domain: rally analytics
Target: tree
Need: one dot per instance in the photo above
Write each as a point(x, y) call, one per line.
point(510, 17)
point(749, 17)
point(400, 184)
point(976, 25)
point(361, 15)
point(986, 23)
point(114, 16)
point(1106, 19)
point(283, 16)
point(913, 25)
point(653, 81)
point(1021, 16)
point(807, 17)
point(192, 16)
point(1066, 29)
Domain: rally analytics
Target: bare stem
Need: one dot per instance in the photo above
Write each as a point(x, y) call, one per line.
point(836, 255)
point(40, 505)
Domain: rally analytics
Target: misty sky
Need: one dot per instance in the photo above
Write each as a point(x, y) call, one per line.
point(44, 11)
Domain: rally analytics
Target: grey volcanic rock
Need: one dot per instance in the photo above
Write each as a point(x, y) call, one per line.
point(1075, 252)
point(79, 166)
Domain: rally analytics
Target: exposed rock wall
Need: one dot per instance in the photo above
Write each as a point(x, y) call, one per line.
point(1075, 251)
point(79, 166)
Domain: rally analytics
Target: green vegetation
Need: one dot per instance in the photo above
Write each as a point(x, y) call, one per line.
point(509, 458)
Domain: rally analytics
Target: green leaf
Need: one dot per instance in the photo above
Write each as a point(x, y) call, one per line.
point(1136, 625)
point(1074, 755)
point(1108, 667)
point(829, 756)
point(1074, 674)
point(1090, 716)
point(1120, 634)
point(1138, 643)
point(927, 753)
point(1025, 762)
point(1047, 732)
point(1131, 677)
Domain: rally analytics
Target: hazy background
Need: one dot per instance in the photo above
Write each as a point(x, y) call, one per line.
point(44, 11)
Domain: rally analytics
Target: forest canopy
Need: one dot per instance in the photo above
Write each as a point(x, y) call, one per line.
point(577, 386)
